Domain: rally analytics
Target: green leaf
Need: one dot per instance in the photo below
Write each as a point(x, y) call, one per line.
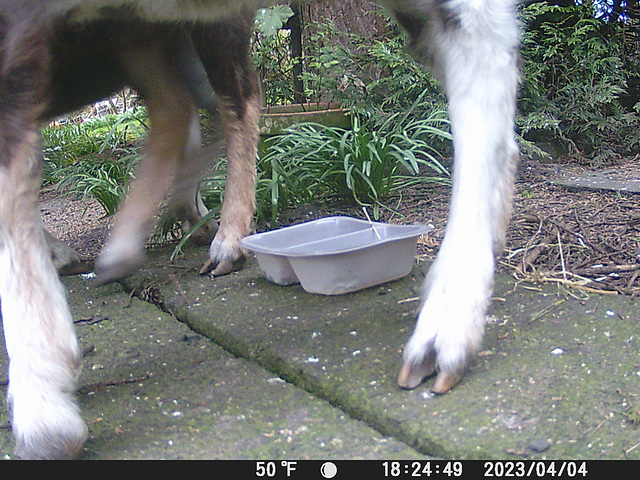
point(269, 20)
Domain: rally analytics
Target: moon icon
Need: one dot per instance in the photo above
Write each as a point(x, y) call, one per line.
point(328, 470)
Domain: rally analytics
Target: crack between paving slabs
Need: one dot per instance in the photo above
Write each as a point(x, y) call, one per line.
point(295, 375)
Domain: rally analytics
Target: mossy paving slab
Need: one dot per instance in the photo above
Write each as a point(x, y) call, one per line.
point(151, 388)
point(601, 180)
point(558, 376)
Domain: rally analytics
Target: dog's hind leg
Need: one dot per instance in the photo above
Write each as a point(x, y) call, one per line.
point(174, 124)
point(186, 202)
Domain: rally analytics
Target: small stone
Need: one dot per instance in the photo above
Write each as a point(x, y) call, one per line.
point(539, 446)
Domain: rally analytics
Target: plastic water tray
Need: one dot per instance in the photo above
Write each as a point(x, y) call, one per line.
point(336, 255)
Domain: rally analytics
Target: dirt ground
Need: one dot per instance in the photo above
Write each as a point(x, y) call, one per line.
point(587, 239)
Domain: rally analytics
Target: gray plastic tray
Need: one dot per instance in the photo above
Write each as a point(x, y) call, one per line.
point(336, 255)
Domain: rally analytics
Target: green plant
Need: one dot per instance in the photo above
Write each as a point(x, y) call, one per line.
point(268, 21)
point(576, 76)
point(75, 138)
point(364, 164)
point(271, 54)
point(375, 79)
point(103, 179)
point(94, 157)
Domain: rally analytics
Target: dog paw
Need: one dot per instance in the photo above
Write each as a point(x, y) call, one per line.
point(46, 424)
point(225, 256)
point(65, 259)
point(203, 234)
point(223, 267)
point(448, 333)
point(416, 369)
point(116, 264)
point(413, 374)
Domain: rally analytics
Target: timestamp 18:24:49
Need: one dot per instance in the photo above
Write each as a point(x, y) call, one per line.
point(422, 469)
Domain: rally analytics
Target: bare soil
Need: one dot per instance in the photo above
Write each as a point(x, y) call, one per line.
point(587, 239)
point(80, 222)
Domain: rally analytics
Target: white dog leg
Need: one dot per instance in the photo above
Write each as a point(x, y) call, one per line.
point(473, 47)
point(44, 359)
point(171, 113)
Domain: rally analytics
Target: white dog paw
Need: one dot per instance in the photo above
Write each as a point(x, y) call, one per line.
point(448, 334)
point(48, 427)
point(117, 263)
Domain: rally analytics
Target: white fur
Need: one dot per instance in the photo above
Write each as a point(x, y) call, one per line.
point(38, 328)
point(477, 63)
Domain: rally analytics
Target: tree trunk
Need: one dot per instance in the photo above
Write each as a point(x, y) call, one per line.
point(295, 24)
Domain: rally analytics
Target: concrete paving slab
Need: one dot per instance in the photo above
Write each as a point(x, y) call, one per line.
point(611, 179)
point(151, 388)
point(311, 376)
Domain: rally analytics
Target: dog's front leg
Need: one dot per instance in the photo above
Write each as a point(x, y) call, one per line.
point(474, 50)
point(236, 84)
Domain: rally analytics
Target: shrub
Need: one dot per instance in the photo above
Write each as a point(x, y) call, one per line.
point(102, 179)
point(377, 79)
point(576, 76)
point(271, 54)
point(94, 157)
